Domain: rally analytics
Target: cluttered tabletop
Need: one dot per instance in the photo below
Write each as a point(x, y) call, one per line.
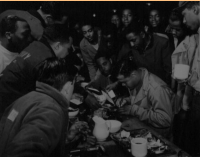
point(117, 140)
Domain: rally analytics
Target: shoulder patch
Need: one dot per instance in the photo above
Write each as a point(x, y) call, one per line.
point(13, 114)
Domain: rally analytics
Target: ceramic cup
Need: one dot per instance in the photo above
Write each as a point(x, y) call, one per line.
point(181, 71)
point(114, 125)
point(139, 147)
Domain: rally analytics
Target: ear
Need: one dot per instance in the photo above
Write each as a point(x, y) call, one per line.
point(196, 9)
point(142, 34)
point(133, 74)
point(67, 90)
point(110, 60)
point(8, 35)
point(56, 45)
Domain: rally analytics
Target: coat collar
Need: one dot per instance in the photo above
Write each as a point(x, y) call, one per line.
point(189, 41)
point(87, 44)
point(55, 94)
point(46, 43)
point(150, 42)
point(144, 89)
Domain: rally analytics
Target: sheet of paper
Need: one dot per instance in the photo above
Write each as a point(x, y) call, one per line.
point(111, 94)
point(107, 97)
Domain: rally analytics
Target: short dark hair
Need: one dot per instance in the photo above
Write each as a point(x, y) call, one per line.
point(103, 54)
point(73, 59)
point(127, 8)
point(87, 21)
point(157, 8)
point(126, 66)
point(57, 32)
point(190, 4)
point(134, 15)
point(54, 72)
point(114, 14)
point(177, 16)
point(8, 24)
point(49, 7)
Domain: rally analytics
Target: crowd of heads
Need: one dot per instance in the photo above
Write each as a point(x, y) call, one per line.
point(17, 31)
point(57, 57)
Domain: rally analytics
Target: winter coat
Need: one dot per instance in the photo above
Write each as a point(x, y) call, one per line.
point(35, 124)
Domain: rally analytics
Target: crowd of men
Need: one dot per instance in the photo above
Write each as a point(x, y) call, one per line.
point(43, 61)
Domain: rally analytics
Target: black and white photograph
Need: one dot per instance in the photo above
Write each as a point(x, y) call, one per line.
point(99, 79)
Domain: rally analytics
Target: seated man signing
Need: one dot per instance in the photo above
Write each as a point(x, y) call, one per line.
point(150, 98)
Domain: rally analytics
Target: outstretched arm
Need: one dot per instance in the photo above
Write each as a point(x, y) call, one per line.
point(90, 64)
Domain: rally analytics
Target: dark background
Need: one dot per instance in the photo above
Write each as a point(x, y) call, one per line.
point(77, 10)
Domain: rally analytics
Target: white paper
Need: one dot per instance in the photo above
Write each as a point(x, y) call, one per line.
point(111, 94)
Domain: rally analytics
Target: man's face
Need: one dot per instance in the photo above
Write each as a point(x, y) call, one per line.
point(130, 82)
point(115, 20)
point(176, 29)
point(136, 41)
point(67, 90)
point(63, 49)
point(127, 17)
point(104, 65)
point(190, 18)
point(88, 32)
point(154, 18)
point(21, 38)
point(49, 20)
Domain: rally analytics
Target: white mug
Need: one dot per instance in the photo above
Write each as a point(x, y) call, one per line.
point(139, 147)
point(181, 71)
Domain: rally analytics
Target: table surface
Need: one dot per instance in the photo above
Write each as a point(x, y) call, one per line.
point(114, 150)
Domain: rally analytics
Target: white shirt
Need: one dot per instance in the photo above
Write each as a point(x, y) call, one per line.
point(96, 46)
point(6, 57)
point(175, 42)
